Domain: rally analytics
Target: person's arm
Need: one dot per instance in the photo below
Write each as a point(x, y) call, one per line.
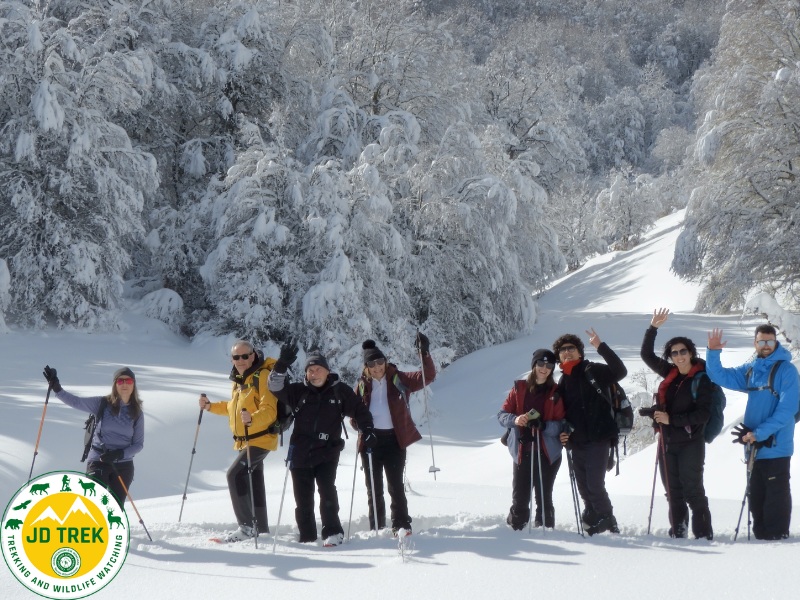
point(352, 406)
point(267, 412)
point(787, 386)
point(413, 380)
point(733, 378)
point(614, 365)
point(90, 404)
point(137, 440)
point(647, 352)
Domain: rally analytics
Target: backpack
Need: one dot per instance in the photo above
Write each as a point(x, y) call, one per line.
point(90, 426)
point(770, 381)
point(285, 416)
point(618, 400)
point(718, 402)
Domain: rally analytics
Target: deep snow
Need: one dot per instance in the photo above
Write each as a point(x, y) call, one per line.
point(461, 546)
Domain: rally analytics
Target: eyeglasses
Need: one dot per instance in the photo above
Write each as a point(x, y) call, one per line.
point(544, 363)
point(570, 348)
point(241, 356)
point(762, 343)
point(680, 352)
point(378, 362)
point(124, 380)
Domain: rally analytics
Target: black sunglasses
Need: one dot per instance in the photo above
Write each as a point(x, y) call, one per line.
point(242, 356)
point(376, 363)
point(544, 363)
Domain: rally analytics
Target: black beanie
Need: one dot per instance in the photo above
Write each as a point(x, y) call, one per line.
point(124, 372)
point(315, 357)
point(543, 354)
point(371, 351)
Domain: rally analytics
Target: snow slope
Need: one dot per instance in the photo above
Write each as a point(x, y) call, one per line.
point(461, 547)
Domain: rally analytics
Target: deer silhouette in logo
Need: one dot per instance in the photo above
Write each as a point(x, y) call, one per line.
point(112, 520)
point(88, 487)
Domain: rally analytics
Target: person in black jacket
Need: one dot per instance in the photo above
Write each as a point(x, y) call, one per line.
point(680, 416)
point(594, 431)
point(320, 403)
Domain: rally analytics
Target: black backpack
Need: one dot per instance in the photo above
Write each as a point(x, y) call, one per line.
point(285, 416)
point(90, 426)
point(770, 381)
point(718, 401)
point(622, 412)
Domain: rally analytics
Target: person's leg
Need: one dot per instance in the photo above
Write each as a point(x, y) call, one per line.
point(678, 511)
point(239, 488)
point(777, 511)
point(303, 488)
point(377, 477)
point(690, 468)
point(394, 464)
point(107, 477)
point(519, 513)
point(549, 473)
point(325, 474)
point(757, 497)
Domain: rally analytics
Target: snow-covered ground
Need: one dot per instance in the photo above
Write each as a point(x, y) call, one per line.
point(461, 547)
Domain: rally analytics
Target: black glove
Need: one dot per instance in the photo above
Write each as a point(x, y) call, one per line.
point(286, 358)
point(52, 378)
point(739, 432)
point(369, 439)
point(422, 343)
point(112, 456)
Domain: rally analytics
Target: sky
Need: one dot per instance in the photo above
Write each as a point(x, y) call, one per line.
point(461, 546)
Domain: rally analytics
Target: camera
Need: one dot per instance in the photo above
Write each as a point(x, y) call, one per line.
point(650, 411)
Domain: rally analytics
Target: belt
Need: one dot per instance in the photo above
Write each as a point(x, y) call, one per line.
point(383, 431)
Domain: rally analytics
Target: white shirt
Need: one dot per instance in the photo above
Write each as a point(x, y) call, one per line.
point(379, 405)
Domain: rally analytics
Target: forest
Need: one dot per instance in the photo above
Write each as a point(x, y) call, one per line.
point(330, 171)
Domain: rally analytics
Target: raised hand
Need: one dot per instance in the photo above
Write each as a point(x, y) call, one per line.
point(715, 340)
point(659, 317)
point(594, 339)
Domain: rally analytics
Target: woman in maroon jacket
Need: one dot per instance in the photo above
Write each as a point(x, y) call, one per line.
point(680, 415)
point(385, 391)
point(540, 392)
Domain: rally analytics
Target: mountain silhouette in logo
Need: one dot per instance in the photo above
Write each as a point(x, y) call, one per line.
point(78, 509)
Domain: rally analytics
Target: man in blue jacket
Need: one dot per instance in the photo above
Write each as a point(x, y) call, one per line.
point(768, 426)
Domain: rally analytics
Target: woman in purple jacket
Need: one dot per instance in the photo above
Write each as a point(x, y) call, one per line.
point(119, 434)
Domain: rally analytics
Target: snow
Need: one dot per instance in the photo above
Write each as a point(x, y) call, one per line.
point(461, 547)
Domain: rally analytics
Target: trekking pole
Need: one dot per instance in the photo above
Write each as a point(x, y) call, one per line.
point(750, 461)
point(574, 486)
point(250, 480)
point(541, 480)
point(283, 493)
point(352, 494)
point(432, 469)
point(530, 500)
point(653, 491)
point(41, 424)
point(133, 504)
point(374, 498)
point(663, 447)
point(194, 450)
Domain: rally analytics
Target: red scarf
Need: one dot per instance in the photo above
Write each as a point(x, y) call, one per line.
point(566, 367)
point(673, 373)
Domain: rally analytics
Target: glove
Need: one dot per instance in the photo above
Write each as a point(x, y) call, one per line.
point(52, 378)
point(112, 456)
point(287, 356)
point(537, 424)
point(739, 432)
point(422, 343)
point(369, 439)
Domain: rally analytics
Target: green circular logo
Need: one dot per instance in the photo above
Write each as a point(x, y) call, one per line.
point(66, 562)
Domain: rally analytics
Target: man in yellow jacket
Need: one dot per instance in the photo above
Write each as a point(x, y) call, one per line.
point(253, 406)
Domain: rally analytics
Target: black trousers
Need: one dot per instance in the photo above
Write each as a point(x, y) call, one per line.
point(682, 466)
point(303, 480)
point(239, 488)
point(389, 458)
point(519, 513)
point(590, 461)
point(109, 476)
point(771, 498)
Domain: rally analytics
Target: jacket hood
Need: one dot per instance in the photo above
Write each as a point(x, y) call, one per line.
point(780, 353)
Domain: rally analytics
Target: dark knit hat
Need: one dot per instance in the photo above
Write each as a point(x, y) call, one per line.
point(371, 351)
point(315, 357)
point(543, 354)
point(124, 372)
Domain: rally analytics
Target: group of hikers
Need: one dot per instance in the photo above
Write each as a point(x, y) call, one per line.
point(543, 417)
point(575, 412)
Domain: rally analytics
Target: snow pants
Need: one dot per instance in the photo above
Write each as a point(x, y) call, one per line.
point(682, 466)
point(590, 461)
point(239, 488)
point(389, 458)
point(519, 513)
point(771, 498)
point(109, 476)
point(303, 479)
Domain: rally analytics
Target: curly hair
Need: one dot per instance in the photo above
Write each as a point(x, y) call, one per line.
point(567, 338)
point(667, 355)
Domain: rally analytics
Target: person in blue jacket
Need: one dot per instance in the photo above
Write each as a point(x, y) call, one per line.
point(119, 434)
point(768, 427)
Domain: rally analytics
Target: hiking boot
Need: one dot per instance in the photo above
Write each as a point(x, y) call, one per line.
point(407, 531)
point(337, 539)
point(550, 517)
point(589, 517)
point(537, 521)
point(515, 525)
point(680, 530)
point(243, 533)
point(605, 523)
